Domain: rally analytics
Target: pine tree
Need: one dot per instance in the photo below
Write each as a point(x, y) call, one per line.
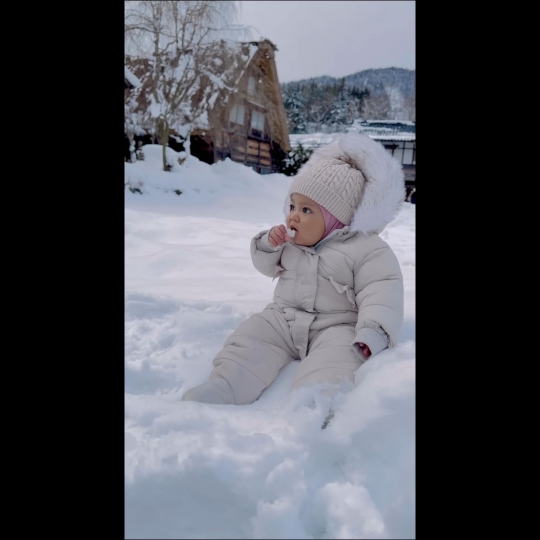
point(316, 107)
point(293, 101)
point(295, 159)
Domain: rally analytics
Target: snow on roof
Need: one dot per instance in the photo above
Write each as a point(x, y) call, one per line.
point(253, 47)
point(386, 129)
point(130, 77)
point(379, 130)
point(396, 137)
point(392, 122)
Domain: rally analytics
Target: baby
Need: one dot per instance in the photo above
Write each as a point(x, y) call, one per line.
point(339, 295)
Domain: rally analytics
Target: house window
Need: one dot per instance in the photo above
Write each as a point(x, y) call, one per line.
point(237, 114)
point(251, 85)
point(398, 152)
point(257, 121)
point(391, 147)
point(408, 154)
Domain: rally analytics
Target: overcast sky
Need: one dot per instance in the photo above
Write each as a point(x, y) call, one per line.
point(334, 38)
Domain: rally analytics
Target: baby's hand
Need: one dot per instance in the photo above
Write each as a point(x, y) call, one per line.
point(278, 235)
point(365, 349)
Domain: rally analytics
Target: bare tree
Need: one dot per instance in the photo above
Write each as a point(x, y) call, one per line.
point(320, 112)
point(376, 107)
point(132, 118)
point(410, 109)
point(175, 44)
point(397, 103)
point(390, 105)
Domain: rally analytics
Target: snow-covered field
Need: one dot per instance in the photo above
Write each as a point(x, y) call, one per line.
point(265, 470)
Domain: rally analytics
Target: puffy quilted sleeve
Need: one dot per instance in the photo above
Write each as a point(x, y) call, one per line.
point(265, 257)
point(379, 293)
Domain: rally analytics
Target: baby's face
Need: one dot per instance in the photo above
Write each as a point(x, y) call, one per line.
point(306, 218)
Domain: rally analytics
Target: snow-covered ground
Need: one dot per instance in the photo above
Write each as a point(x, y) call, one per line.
point(265, 470)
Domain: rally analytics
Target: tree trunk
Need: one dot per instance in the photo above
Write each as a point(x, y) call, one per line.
point(187, 141)
point(164, 134)
point(131, 138)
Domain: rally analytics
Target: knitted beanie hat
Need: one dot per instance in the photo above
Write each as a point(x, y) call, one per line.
point(331, 183)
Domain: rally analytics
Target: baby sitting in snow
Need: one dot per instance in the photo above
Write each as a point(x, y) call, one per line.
point(339, 296)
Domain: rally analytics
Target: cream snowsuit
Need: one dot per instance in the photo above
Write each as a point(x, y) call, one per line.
point(346, 289)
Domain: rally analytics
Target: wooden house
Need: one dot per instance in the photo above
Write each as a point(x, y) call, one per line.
point(399, 138)
point(249, 124)
point(245, 120)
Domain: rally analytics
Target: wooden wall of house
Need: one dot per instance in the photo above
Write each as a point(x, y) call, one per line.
point(202, 147)
point(237, 138)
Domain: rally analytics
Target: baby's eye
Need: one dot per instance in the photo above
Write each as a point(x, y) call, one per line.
point(306, 210)
point(291, 207)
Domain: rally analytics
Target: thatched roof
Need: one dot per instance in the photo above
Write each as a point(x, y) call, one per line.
point(223, 75)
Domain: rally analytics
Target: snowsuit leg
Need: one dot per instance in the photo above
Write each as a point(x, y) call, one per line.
point(330, 358)
point(249, 361)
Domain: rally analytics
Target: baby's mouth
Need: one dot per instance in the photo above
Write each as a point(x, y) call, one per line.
point(291, 231)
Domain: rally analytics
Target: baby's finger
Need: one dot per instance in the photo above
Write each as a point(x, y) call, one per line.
point(277, 240)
